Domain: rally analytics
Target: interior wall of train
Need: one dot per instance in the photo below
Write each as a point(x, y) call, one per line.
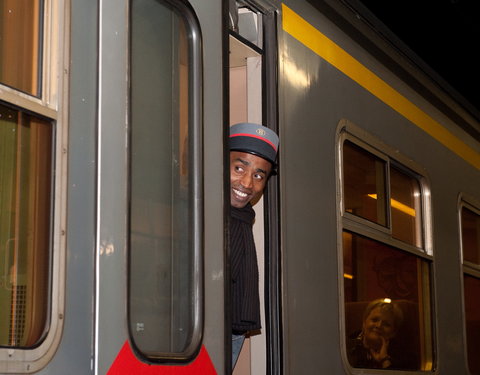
point(114, 192)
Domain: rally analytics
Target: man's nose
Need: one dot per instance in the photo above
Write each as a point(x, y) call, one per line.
point(247, 181)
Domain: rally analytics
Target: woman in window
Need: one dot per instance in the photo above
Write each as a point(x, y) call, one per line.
point(371, 348)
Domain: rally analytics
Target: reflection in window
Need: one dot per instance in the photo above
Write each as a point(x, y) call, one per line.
point(405, 208)
point(20, 44)
point(25, 227)
point(374, 272)
point(470, 224)
point(162, 258)
point(364, 184)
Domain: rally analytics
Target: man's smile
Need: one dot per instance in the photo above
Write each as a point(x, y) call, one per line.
point(239, 193)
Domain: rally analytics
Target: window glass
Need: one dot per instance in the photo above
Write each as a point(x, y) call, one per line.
point(470, 226)
point(20, 44)
point(25, 226)
point(406, 210)
point(376, 274)
point(472, 321)
point(470, 236)
point(364, 184)
point(162, 294)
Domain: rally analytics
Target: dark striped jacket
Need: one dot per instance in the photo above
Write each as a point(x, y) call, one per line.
point(245, 296)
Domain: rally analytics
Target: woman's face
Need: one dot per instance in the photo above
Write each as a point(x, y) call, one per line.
point(379, 323)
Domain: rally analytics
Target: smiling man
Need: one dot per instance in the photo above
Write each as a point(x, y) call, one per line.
point(253, 153)
point(248, 176)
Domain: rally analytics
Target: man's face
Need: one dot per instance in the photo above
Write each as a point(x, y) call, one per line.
point(248, 176)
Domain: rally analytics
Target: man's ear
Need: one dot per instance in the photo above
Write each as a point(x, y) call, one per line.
point(273, 171)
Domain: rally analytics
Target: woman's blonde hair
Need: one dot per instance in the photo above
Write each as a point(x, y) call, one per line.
point(386, 305)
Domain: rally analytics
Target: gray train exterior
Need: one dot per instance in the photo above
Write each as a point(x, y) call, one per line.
point(312, 100)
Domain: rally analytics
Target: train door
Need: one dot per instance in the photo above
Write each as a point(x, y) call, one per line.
point(157, 311)
point(252, 98)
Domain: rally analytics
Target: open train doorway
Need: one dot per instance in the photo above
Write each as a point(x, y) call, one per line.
point(253, 98)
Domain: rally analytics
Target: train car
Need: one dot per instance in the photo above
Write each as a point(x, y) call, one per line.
point(114, 192)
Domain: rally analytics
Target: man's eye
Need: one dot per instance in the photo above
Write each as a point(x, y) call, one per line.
point(258, 176)
point(238, 168)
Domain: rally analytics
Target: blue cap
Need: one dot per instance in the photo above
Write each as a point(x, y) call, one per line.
point(254, 139)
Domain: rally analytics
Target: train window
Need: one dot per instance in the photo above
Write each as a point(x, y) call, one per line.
point(165, 197)
point(21, 25)
point(386, 266)
point(377, 272)
point(470, 229)
point(364, 184)
point(471, 236)
point(406, 208)
point(25, 230)
point(33, 162)
point(366, 190)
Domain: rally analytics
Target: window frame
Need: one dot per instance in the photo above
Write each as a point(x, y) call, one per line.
point(52, 104)
point(348, 131)
point(195, 115)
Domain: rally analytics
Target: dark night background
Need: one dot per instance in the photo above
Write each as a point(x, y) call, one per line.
point(445, 34)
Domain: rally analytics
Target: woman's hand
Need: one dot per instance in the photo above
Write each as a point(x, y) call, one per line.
point(381, 355)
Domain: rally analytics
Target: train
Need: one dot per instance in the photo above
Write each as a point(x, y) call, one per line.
point(114, 203)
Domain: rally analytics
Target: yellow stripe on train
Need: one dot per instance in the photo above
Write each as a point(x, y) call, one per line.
point(305, 33)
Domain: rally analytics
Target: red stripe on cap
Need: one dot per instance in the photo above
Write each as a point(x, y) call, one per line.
point(254, 136)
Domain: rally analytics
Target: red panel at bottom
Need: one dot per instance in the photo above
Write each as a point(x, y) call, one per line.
point(127, 364)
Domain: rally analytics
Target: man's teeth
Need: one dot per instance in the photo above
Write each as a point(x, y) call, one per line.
point(238, 192)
